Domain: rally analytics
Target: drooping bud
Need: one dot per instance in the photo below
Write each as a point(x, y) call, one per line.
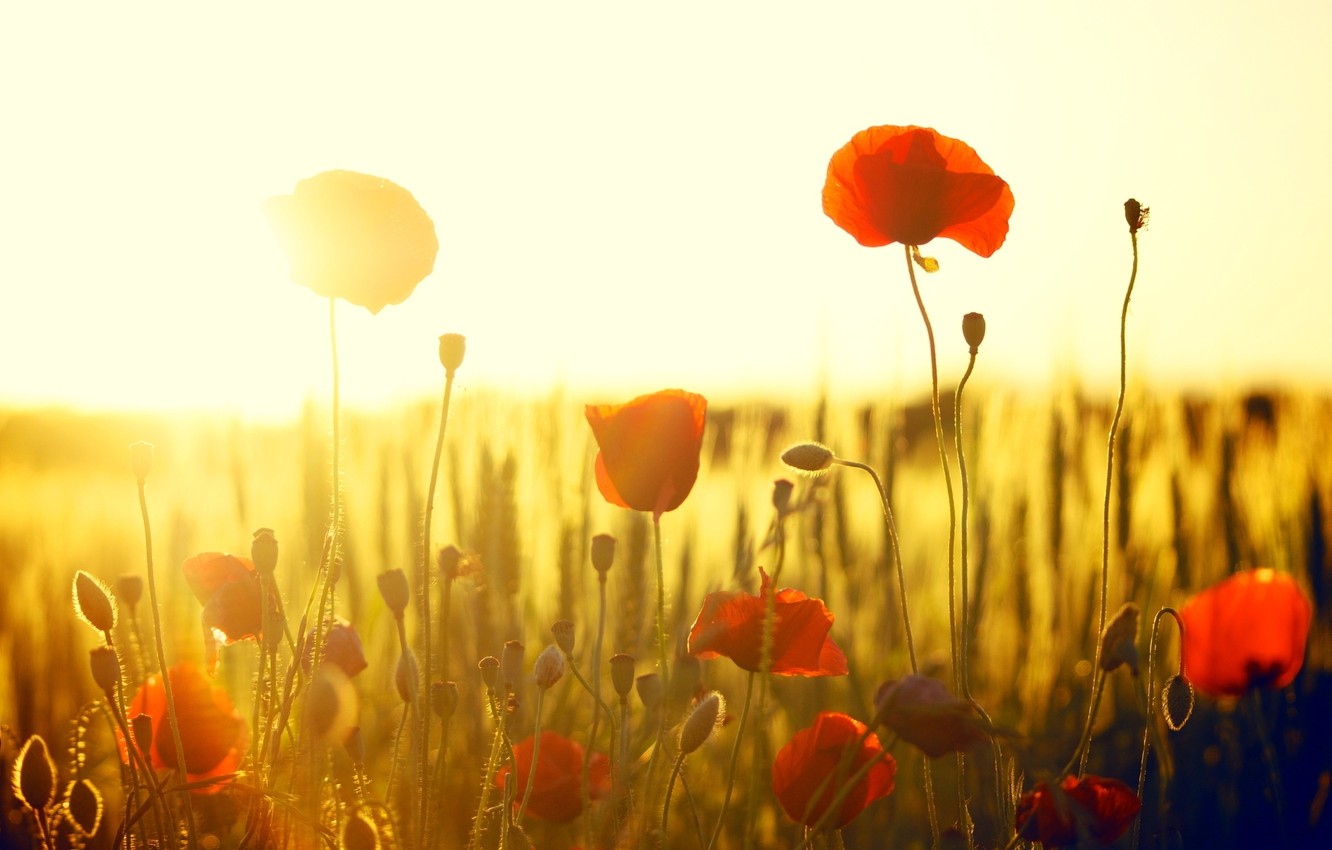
point(549, 667)
point(129, 589)
point(92, 602)
point(809, 457)
point(141, 460)
point(622, 674)
point(1119, 640)
point(973, 330)
point(84, 803)
point(452, 347)
point(1136, 215)
point(443, 699)
point(105, 668)
point(603, 553)
point(923, 712)
point(563, 631)
point(705, 717)
point(448, 560)
point(511, 664)
point(35, 775)
point(404, 677)
point(264, 551)
point(393, 588)
point(1177, 702)
point(489, 667)
point(649, 689)
point(782, 489)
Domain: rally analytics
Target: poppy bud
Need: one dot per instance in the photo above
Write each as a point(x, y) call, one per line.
point(405, 676)
point(1177, 702)
point(489, 667)
point(549, 667)
point(92, 602)
point(264, 551)
point(448, 559)
point(649, 689)
point(808, 457)
point(622, 674)
point(564, 635)
point(84, 803)
point(781, 494)
point(105, 670)
point(973, 330)
point(705, 717)
point(393, 588)
point(1136, 215)
point(452, 347)
point(129, 589)
point(360, 833)
point(603, 553)
point(354, 745)
point(511, 663)
point(141, 726)
point(1118, 641)
point(443, 699)
point(35, 775)
point(141, 460)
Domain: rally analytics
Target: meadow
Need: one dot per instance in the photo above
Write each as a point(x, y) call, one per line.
point(1203, 486)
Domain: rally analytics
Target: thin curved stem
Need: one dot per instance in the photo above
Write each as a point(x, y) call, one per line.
point(1149, 708)
point(666, 806)
point(536, 754)
point(735, 759)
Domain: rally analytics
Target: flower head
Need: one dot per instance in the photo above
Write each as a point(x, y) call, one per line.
point(354, 236)
point(648, 449)
point(342, 648)
point(228, 587)
point(731, 624)
point(212, 733)
point(557, 791)
point(804, 774)
point(924, 713)
point(1244, 632)
point(911, 184)
point(1076, 809)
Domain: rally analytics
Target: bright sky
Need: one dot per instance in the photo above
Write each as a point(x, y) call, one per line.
point(627, 195)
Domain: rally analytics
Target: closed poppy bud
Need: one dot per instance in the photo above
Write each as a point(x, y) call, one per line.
point(360, 833)
point(393, 589)
point(489, 667)
point(648, 449)
point(698, 726)
point(511, 663)
point(141, 726)
point(649, 689)
point(92, 601)
point(105, 670)
point(549, 667)
point(129, 589)
point(1136, 215)
point(1177, 702)
point(564, 635)
point(452, 347)
point(622, 674)
point(84, 803)
point(781, 494)
point(1119, 640)
point(35, 775)
point(448, 559)
point(264, 551)
point(809, 457)
point(141, 460)
point(603, 553)
point(973, 330)
point(404, 677)
point(443, 699)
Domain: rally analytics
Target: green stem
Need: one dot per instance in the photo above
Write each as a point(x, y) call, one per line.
point(663, 673)
point(1079, 757)
point(492, 766)
point(666, 806)
point(597, 707)
point(1149, 709)
point(536, 754)
point(735, 759)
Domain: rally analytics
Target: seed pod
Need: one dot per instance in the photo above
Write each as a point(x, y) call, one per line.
point(141, 726)
point(622, 674)
point(781, 494)
point(264, 551)
point(973, 330)
point(448, 560)
point(129, 589)
point(393, 588)
point(35, 775)
point(105, 668)
point(1177, 702)
point(563, 631)
point(444, 699)
point(141, 459)
point(452, 348)
point(808, 457)
point(489, 667)
point(705, 717)
point(603, 553)
point(93, 603)
point(84, 803)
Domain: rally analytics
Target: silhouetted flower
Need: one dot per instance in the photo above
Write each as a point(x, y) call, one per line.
point(910, 185)
point(212, 733)
point(809, 762)
point(649, 447)
point(922, 712)
point(342, 648)
point(228, 587)
point(557, 793)
point(354, 236)
point(1075, 810)
point(1244, 632)
point(731, 624)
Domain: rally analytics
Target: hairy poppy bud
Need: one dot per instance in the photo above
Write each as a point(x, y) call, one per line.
point(444, 699)
point(105, 668)
point(405, 676)
point(603, 553)
point(141, 460)
point(35, 774)
point(808, 457)
point(452, 347)
point(1119, 640)
point(360, 833)
point(511, 663)
point(1136, 215)
point(973, 330)
point(1177, 702)
point(84, 803)
point(705, 717)
point(622, 673)
point(564, 635)
point(489, 667)
point(264, 551)
point(129, 589)
point(92, 601)
point(393, 587)
point(549, 667)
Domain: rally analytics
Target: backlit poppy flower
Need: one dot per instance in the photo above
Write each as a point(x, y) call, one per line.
point(805, 772)
point(1075, 810)
point(557, 794)
point(1244, 632)
point(354, 236)
point(342, 648)
point(649, 447)
point(922, 712)
point(228, 587)
point(731, 624)
point(910, 185)
point(212, 732)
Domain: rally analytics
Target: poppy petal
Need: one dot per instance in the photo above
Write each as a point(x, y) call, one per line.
point(649, 449)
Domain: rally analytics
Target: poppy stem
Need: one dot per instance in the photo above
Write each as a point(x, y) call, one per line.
point(597, 707)
point(1079, 757)
point(1109, 472)
point(666, 806)
point(492, 767)
point(735, 758)
point(1149, 710)
point(536, 753)
point(664, 675)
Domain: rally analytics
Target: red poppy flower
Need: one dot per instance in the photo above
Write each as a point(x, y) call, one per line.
point(354, 236)
point(808, 766)
point(342, 648)
point(648, 458)
point(922, 712)
point(1244, 632)
point(1076, 809)
point(557, 794)
point(731, 624)
point(212, 732)
point(911, 184)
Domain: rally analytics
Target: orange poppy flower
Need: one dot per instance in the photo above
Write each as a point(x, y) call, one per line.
point(808, 765)
point(557, 795)
point(911, 184)
point(648, 449)
point(212, 733)
point(731, 624)
point(354, 236)
point(922, 712)
point(1075, 810)
point(1244, 632)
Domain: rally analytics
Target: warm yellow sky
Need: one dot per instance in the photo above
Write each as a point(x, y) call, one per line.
point(627, 195)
